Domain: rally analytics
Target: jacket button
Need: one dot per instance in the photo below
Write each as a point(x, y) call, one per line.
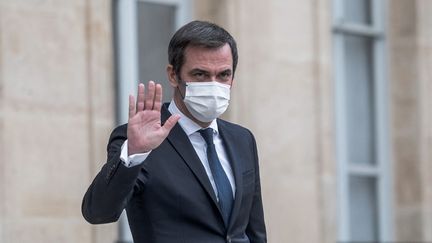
point(228, 238)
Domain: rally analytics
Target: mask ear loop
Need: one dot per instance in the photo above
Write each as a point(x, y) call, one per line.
point(179, 82)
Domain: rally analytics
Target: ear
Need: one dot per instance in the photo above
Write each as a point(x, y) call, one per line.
point(172, 77)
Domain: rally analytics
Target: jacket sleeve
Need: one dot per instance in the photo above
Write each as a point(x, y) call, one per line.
point(256, 230)
point(112, 187)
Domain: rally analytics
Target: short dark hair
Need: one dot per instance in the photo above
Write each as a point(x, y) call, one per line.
point(199, 33)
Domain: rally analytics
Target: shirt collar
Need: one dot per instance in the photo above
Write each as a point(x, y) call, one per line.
point(187, 124)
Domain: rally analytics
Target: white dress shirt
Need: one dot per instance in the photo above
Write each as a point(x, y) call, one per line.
point(192, 131)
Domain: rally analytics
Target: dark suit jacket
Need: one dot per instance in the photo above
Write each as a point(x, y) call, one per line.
point(169, 198)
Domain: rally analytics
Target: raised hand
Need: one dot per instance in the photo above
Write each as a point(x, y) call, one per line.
point(145, 131)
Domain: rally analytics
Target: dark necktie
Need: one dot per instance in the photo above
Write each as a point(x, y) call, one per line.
point(223, 185)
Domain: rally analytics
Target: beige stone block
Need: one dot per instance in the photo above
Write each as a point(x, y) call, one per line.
point(101, 81)
point(402, 18)
point(213, 11)
point(102, 98)
point(48, 165)
point(424, 20)
point(284, 128)
point(105, 233)
point(57, 230)
point(291, 208)
point(101, 130)
point(2, 172)
point(406, 121)
point(408, 43)
point(425, 74)
point(409, 225)
point(324, 109)
point(427, 224)
point(44, 46)
point(408, 186)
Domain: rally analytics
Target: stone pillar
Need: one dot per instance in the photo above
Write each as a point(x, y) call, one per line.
point(407, 115)
point(283, 93)
point(424, 42)
point(56, 93)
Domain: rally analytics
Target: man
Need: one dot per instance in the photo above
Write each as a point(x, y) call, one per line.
point(183, 175)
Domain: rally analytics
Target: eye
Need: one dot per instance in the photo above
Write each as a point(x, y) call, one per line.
point(225, 75)
point(198, 75)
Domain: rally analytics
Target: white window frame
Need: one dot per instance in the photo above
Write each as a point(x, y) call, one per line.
point(127, 63)
point(381, 170)
point(126, 12)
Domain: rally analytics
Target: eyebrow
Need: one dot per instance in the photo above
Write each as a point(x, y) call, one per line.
point(229, 71)
point(196, 70)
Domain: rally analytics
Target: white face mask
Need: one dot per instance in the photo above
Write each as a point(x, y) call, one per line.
point(206, 101)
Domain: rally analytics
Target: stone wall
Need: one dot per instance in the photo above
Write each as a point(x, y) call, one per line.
point(410, 45)
point(57, 99)
point(424, 40)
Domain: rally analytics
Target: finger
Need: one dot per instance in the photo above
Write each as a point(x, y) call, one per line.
point(149, 99)
point(158, 98)
point(170, 123)
point(140, 98)
point(132, 110)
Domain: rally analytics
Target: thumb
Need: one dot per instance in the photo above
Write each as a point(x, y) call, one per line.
point(170, 123)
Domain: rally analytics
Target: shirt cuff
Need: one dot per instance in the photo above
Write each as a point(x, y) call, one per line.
point(131, 160)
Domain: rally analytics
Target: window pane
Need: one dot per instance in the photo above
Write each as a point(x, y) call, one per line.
point(359, 99)
point(363, 209)
point(156, 25)
point(358, 11)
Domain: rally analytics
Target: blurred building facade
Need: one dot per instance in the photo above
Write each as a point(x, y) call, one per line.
point(337, 93)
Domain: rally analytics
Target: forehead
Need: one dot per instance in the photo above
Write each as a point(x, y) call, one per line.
point(203, 57)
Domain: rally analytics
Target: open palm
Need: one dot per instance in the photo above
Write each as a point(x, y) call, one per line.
point(145, 131)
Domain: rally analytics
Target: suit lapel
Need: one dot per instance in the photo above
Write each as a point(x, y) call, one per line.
point(230, 142)
point(181, 143)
